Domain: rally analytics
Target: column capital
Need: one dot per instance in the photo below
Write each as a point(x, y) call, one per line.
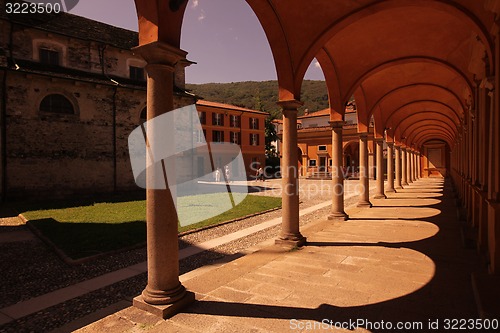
point(379, 140)
point(336, 124)
point(160, 53)
point(290, 105)
point(363, 135)
point(391, 144)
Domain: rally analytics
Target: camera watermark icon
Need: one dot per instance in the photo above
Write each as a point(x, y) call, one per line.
point(205, 179)
point(64, 5)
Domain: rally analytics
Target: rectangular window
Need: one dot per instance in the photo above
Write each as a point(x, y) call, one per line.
point(49, 57)
point(254, 139)
point(217, 136)
point(203, 117)
point(136, 73)
point(254, 123)
point(200, 136)
point(321, 148)
point(312, 163)
point(217, 119)
point(235, 121)
point(235, 138)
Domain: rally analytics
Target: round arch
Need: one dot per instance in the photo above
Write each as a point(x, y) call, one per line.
point(408, 88)
point(416, 129)
point(461, 13)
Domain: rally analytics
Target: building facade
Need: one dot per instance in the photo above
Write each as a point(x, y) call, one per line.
point(72, 90)
point(232, 124)
point(314, 137)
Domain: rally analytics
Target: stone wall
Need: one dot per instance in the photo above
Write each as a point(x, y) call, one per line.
point(53, 155)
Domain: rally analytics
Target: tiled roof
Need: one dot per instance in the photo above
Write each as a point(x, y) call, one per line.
point(324, 112)
point(75, 26)
point(227, 106)
point(314, 129)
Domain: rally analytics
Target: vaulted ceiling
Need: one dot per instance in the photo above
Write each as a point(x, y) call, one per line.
point(411, 64)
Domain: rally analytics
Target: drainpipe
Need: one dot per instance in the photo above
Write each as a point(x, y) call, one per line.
point(102, 50)
point(115, 175)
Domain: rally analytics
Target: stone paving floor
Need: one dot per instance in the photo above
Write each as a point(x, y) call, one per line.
point(399, 263)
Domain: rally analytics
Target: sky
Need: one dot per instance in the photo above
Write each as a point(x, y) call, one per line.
point(223, 37)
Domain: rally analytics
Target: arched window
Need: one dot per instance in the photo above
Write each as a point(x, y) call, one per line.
point(56, 104)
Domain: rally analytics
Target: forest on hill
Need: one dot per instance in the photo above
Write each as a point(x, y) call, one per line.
point(261, 95)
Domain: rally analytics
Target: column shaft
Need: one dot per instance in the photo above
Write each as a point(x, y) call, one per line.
point(379, 194)
point(404, 169)
point(164, 295)
point(419, 165)
point(337, 211)
point(390, 168)
point(398, 167)
point(408, 166)
point(364, 184)
point(290, 233)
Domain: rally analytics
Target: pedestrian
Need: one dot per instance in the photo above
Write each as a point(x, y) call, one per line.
point(260, 174)
point(217, 175)
point(227, 173)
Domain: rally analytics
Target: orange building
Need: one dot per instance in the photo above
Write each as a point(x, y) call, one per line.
point(314, 138)
point(229, 123)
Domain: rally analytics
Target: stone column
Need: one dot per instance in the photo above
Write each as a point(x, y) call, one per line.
point(415, 172)
point(337, 211)
point(412, 165)
point(379, 143)
point(404, 168)
point(390, 168)
point(364, 184)
point(419, 165)
point(398, 167)
point(408, 166)
point(494, 167)
point(164, 295)
point(290, 235)
point(485, 96)
point(415, 163)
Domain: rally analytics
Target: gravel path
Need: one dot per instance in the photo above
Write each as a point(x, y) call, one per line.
point(30, 269)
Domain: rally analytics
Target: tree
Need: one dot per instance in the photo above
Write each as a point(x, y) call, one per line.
point(271, 136)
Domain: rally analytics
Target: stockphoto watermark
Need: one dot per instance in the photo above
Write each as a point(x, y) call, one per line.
point(39, 6)
point(320, 187)
point(205, 179)
point(430, 325)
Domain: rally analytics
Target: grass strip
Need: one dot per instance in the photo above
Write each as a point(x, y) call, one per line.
point(90, 229)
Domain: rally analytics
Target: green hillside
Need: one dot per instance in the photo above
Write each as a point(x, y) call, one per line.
point(253, 94)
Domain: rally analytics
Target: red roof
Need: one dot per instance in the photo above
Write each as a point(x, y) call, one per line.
point(324, 112)
point(227, 107)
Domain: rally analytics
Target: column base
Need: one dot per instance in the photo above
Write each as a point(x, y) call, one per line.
point(404, 184)
point(380, 196)
point(391, 190)
point(165, 311)
point(398, 188)
point(338, 216)
point(364, 204)
point(292, 242)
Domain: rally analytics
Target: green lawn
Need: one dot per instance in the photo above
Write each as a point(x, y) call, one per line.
point(84, 230)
